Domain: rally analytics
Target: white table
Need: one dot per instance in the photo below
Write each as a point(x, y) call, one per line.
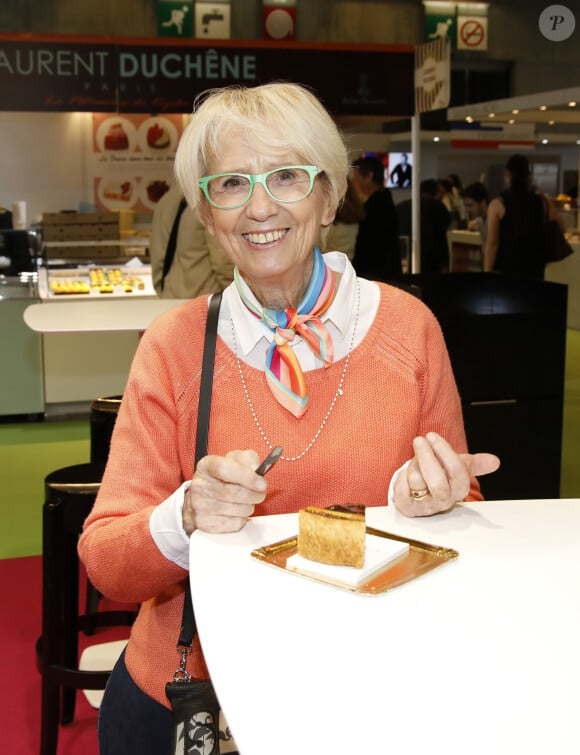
point(478, 657)
point(113, 316)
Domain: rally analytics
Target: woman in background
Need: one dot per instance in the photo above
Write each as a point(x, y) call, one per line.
point(340, 236)
point(514, 241)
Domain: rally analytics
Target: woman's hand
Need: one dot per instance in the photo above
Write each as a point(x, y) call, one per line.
point(437, 477)
point(224, 492)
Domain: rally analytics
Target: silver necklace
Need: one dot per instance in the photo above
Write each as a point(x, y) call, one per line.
point(339, 390)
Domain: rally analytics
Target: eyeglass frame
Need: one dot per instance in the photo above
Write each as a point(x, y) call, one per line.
point(260, 178)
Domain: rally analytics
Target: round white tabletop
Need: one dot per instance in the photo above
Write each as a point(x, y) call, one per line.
point(478, 656)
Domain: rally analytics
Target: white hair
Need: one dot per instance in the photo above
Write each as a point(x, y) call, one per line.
point(272, 117)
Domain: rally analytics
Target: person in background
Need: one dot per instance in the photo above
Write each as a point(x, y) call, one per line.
point(476, 200)
point(350, 376)
point(341, 234)
point(514, 241)
point(377, 254)
point(435, 220)
point(5, 218)
point(402, 174)
point(458, 211)
point(444, 194)
point(199, 266)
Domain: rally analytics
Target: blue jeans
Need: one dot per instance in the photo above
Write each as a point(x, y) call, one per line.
point(131, 722)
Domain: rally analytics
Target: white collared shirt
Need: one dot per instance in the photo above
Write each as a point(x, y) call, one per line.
point(253, 337)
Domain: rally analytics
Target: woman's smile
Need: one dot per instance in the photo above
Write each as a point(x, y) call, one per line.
point(265, 237)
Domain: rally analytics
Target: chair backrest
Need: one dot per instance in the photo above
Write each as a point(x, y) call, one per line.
point(103, 417)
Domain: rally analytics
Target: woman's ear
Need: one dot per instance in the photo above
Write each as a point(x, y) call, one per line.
point(206, 218)
point(329, 212)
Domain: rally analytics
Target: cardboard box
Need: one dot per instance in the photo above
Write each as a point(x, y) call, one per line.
point(82, 251)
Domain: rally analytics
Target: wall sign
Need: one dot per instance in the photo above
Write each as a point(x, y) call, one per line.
point(212, 20)
point(175, 18)
point(471, 33)
point(279, 22)
point(139, 76)
point(432, 75)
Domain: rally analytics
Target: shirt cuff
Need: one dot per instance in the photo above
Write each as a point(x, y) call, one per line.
point(391, 495)
point(166, 527)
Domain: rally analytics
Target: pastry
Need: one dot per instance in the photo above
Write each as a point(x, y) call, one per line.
point(156, 189)
point(158, 137)
point(118, 190)
point(116, 137)
point(335, 535)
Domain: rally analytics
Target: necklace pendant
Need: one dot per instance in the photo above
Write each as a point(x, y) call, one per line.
point(340, 391)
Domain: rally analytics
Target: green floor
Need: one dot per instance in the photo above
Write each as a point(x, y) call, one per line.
point(30, 450)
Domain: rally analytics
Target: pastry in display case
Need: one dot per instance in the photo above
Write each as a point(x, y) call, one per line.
point(95, 281)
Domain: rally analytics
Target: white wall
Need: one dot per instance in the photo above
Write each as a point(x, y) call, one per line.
point(43, 159)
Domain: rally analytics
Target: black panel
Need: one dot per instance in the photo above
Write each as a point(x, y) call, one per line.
point(506, 338)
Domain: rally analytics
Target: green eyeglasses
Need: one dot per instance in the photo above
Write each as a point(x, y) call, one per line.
point(291, 183)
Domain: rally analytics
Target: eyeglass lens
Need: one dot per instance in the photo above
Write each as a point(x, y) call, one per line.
point(284, 184)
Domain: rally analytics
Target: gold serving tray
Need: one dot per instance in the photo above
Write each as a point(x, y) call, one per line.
point(420, 559)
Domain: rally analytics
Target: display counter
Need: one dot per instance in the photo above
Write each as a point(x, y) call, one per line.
point(21, 377)
point(90, 318)
point(465, 252)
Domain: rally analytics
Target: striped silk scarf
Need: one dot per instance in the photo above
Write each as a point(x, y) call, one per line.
point(283, 372)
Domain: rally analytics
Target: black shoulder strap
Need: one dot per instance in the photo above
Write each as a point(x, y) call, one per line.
point(207, 377)
point(187, 632)
point(172, 242)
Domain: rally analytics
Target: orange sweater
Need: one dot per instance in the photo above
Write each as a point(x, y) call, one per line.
point(399, 384)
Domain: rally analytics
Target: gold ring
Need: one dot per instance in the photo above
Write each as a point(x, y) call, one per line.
point(418, 495)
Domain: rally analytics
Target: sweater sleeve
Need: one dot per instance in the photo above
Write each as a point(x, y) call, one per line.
point(145, 467)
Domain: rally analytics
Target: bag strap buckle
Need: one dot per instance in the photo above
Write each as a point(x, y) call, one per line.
point(182, 674)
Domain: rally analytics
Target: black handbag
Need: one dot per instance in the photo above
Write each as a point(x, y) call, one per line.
point(556, 248)
point(199, 725)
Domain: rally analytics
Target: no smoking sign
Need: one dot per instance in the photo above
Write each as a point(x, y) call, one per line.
point(471, 33)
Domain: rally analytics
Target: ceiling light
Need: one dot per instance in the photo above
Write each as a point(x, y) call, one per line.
point(545, 141)
point(436, 138)
point(515, 111)
point(469, 119)
point(551, 123)
point(543, 107)
point(491, 115)
point(572, 104)
point(511, 121)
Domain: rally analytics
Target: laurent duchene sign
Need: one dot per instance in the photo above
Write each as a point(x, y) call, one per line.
point(62, 73)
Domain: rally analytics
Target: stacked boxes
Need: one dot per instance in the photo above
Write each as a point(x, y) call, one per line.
point(85, 235)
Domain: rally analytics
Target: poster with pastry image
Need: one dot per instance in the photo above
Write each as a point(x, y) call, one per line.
point(152, 188)
point(116, 193)
point(157, 134)
point(131, 165)
point(114, 134)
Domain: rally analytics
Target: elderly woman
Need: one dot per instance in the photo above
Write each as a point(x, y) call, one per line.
point(351, 377)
